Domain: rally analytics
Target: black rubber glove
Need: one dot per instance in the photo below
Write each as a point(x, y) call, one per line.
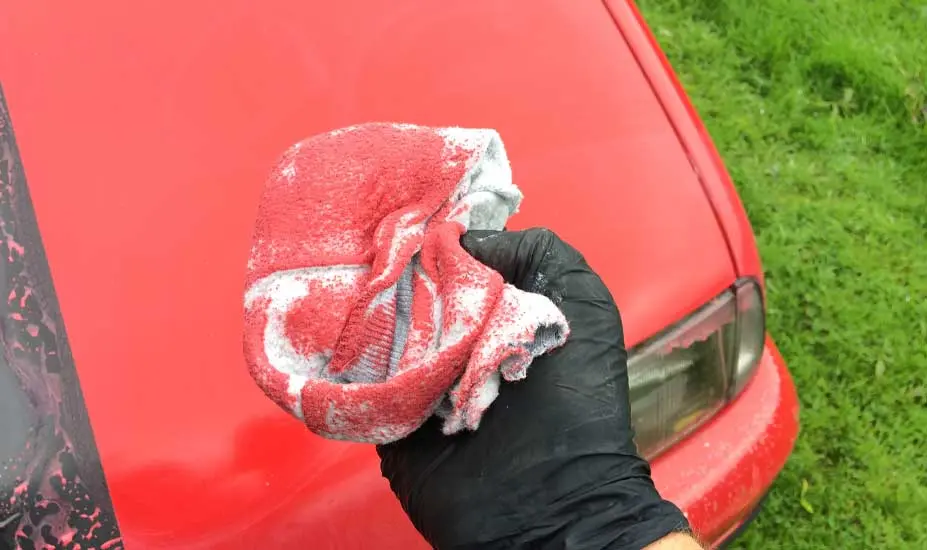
point(553, 463)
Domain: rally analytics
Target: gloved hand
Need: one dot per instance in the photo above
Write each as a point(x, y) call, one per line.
point(553, 463)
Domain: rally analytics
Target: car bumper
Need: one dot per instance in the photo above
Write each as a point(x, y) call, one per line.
point(719, 474)
point(731, 536)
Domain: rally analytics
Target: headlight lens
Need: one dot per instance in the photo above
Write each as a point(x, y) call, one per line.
point(681, 377)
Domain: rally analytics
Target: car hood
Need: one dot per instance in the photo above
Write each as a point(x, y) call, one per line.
point(146, 135)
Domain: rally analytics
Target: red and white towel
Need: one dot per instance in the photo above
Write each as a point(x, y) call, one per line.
point(363, 314)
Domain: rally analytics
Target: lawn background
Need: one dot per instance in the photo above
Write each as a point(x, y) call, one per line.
point(819, 108)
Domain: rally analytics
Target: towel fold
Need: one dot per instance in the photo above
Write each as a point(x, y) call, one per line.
point(363, 314)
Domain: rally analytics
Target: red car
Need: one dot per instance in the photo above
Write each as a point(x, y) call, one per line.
point(134, 141)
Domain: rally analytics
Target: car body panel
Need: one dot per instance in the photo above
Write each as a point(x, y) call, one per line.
point(146, 130)
point(693, 136)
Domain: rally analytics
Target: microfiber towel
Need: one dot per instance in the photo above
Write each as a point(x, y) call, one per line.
point(363, 314)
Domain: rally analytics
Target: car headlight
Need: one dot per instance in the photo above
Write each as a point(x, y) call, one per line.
point(682, 376)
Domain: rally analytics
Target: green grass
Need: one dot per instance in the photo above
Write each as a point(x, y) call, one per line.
point(819, 108)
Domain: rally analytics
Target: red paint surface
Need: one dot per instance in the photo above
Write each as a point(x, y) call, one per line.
point(693, 136)
point(147, 129)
